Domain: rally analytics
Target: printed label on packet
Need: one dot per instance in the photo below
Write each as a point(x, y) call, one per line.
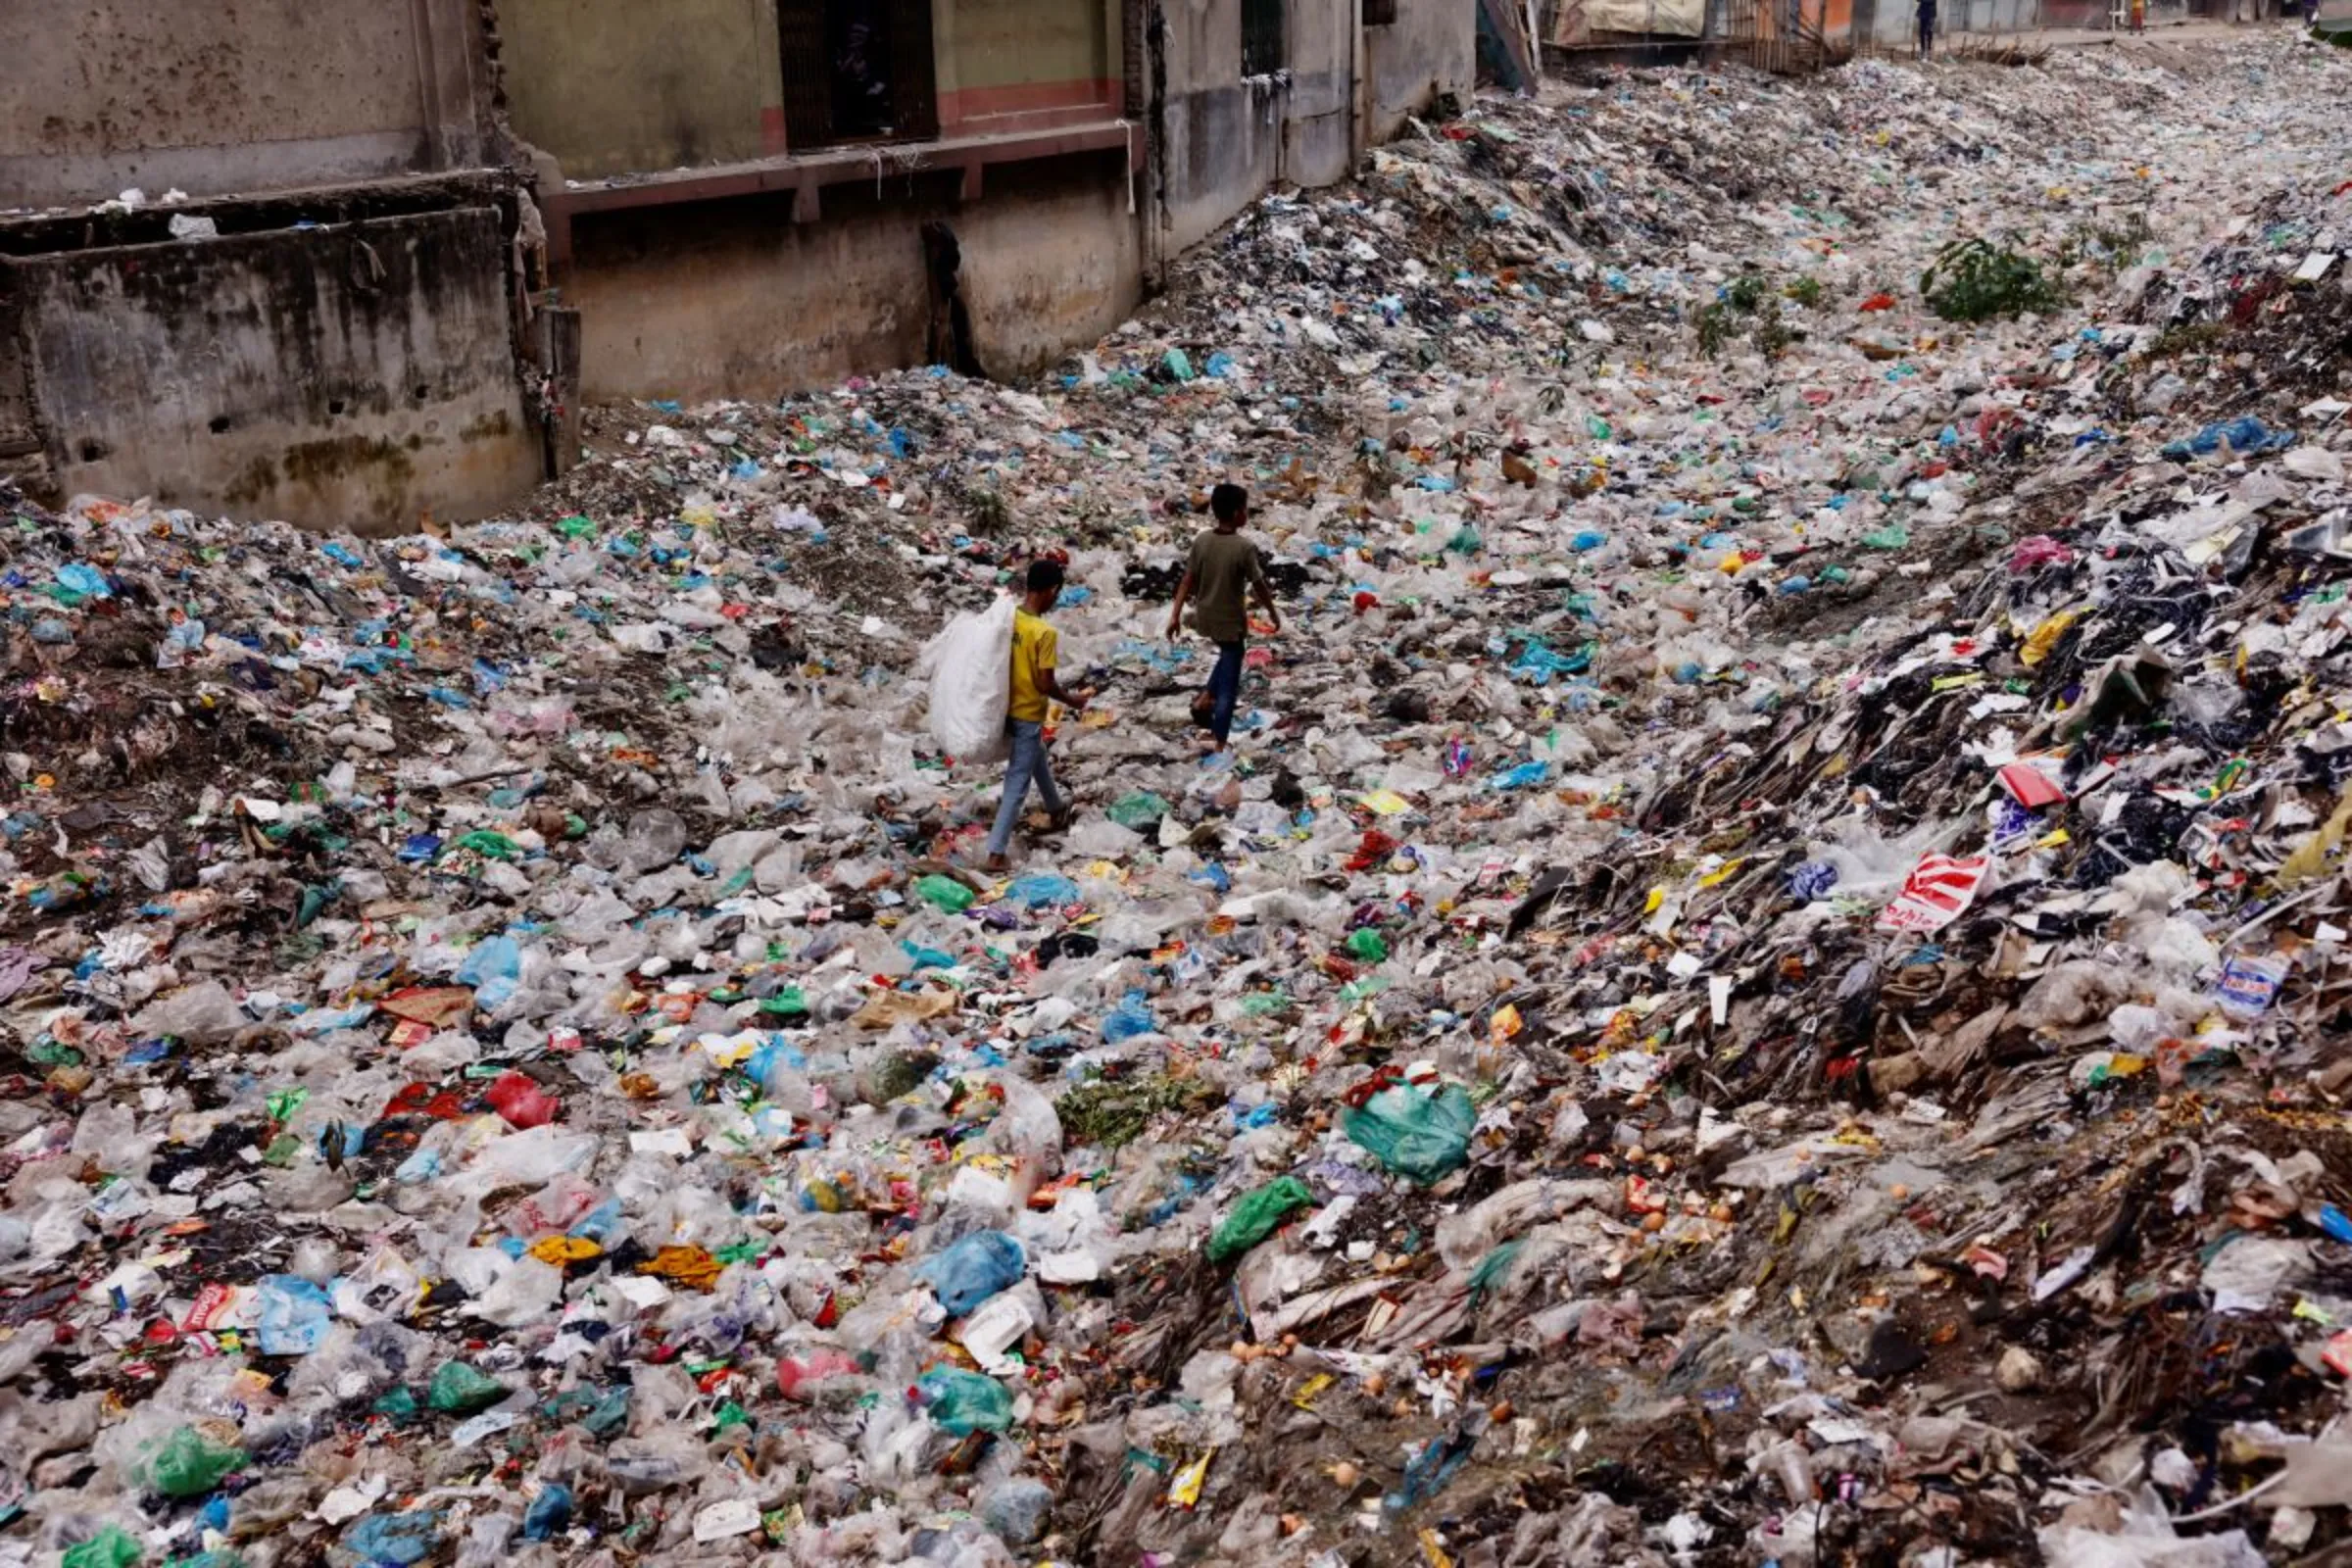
point(2248, 985)
point(1938, 890)
point(212, 1306)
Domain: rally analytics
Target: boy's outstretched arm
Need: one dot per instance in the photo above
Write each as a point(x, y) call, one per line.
point(1183, 592)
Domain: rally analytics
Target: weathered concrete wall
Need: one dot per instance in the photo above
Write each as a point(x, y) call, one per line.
point(348, 376)
point(21, 454)
point(621, 86)
point(732, 299)
point(1429, 51)
point(1228, 140)
point(217, 96)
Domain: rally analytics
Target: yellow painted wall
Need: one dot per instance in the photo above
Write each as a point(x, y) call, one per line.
point(620, 86)
point(1002, 42)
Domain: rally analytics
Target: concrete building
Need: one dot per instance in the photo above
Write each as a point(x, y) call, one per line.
point(407, 235)
point(320, 326)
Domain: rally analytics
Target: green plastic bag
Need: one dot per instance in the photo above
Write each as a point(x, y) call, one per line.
point(964, 1402)
point(1495, 1268)
point(1256, 1217)
point(611, 1413)
point(110, 1547)
point(459, 1390)
point(1416, 1134)
point(945, 893)
point(789, 1002)
point(1367, 943)
point(1140, 811)
point(187, 1464)
point(490, 846)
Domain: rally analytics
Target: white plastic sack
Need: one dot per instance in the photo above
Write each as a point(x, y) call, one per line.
point(970, 663)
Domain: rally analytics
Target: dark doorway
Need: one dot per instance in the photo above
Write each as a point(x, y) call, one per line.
point(856, 71)
point(1262, 46)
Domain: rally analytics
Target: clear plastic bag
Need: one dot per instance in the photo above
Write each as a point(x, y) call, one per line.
point(969, 665)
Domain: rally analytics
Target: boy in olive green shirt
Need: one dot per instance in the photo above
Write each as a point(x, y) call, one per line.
point(1219, 578)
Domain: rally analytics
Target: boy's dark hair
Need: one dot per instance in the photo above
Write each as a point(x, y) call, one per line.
point(1228, 502)
point(1045, 577)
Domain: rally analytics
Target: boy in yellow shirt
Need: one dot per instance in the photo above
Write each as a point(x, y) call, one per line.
point(1036, 652)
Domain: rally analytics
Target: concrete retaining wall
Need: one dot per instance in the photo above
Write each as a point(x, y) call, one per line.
point(354, 376)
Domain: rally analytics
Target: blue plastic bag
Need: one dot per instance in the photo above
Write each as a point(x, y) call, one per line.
point(550, 1513)
point(295, 1315)
point(1131, 1017)
point(1038, 891)
point(493, 969)
point(87, 582)
point(1812, 880)
point(394, 1538)
point(973, 1269)
point(2245, 434)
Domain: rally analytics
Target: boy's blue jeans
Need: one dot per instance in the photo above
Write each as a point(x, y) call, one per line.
point(1027, 765)
point(1225, 689)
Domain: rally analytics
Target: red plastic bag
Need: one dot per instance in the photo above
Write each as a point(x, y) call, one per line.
point(518, 1097)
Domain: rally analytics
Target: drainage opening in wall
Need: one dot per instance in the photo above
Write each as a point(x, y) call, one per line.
point(334, 406)
point(93, 451)
point(218, 424)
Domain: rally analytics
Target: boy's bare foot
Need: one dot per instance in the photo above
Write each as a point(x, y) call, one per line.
point(996, 863)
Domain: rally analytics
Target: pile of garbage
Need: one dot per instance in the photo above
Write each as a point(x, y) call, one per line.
point(1756, 985)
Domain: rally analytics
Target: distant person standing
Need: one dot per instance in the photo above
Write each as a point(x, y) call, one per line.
point(2139, 16)
point(1926, 28)
point(1222, 574)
